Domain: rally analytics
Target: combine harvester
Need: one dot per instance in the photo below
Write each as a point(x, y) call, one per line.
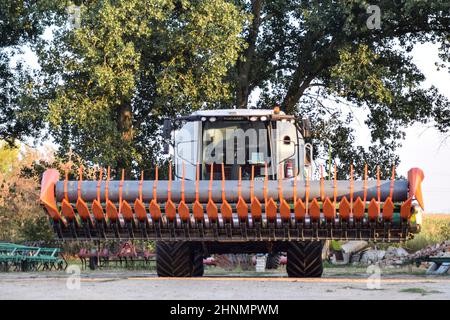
point(242, 183)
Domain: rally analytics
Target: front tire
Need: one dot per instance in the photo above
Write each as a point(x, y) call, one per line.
point(304, 259)
point(174, 259)
point(198, 266)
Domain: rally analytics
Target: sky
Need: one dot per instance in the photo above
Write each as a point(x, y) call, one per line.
point(424, 146)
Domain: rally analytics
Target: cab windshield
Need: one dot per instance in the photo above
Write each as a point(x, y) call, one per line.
point(237, 144)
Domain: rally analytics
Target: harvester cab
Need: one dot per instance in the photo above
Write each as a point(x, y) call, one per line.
point(240, 181)
point(244, 141)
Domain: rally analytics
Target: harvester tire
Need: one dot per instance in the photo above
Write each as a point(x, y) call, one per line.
point(174, 259)
point(304, 259)
point(199, 269)
point(273, 261)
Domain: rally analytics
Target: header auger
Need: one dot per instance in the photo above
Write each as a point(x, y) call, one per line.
point(242, 183)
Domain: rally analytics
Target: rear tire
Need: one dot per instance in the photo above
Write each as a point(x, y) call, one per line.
point(174, 259)
point(273, 261)
point(304, 259)
point(199, 269)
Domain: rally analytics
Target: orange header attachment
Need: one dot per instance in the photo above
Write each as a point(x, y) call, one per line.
point(322, 187)
point(140, 185)
point(415, 178)
point(47, 196)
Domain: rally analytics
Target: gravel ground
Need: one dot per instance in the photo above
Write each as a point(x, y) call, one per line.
point(144, 285)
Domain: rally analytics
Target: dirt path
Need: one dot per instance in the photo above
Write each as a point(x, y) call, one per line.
point(139, 285)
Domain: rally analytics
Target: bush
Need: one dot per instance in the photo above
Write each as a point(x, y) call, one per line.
point(435, 229)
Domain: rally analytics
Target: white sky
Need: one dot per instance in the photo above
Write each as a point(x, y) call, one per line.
point(424, 146)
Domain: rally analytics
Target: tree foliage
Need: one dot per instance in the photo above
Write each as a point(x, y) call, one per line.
point(21, 23)
point(105, 85)
point(110, 81)
point(20, 213)
point(307, 52)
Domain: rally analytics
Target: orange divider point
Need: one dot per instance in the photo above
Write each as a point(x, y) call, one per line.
point(252, 186)
point(391, 189)
point(314, 210)
point(124, 207)
point(126, 211)
point(299, 206)
point(47, 194)
point(299, 209)
point(335, 190)
point(255, 204)
point(378, 188)
point(66, 181)
point(405, 209)
point(139, 207)
point(365, 184)
point(183, 209)
point(120, 190)
point(197, 208)
point(241, 206)
point(322, 187)
point(66, 208)
point(80, 179)
point(265, 184)
point(328, 209)
point(139, 210)
point(171, 210)
point(225, 208)
point(108, 176)
point(155, 210)
point(388, 209)
point(111, 210)
point(344, 209)
point(82, 208)
point(271, 207)
point(271, 210)
point(415, 178)
point(294, 196)
point(307, 193)
point(211, 208)
point(359, 207)
point(99, 183)
point(388, 206)
point(141, 182)
point(96, 207)
point(373, 210)
point(285, 209)
point(351, 189)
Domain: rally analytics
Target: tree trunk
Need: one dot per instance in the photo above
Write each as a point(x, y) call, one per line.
point(245, 62)
point(125, 127)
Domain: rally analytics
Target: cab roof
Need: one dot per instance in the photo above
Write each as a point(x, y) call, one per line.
point(241, 114)
point(236, 112)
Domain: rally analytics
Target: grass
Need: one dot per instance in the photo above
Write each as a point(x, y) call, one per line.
point(421, 291)
point(435, 229)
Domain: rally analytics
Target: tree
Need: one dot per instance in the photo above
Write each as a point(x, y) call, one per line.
point(300, 53)
point(21, 216)
point(110, 82)
point(104, 87)
point(21, 23)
